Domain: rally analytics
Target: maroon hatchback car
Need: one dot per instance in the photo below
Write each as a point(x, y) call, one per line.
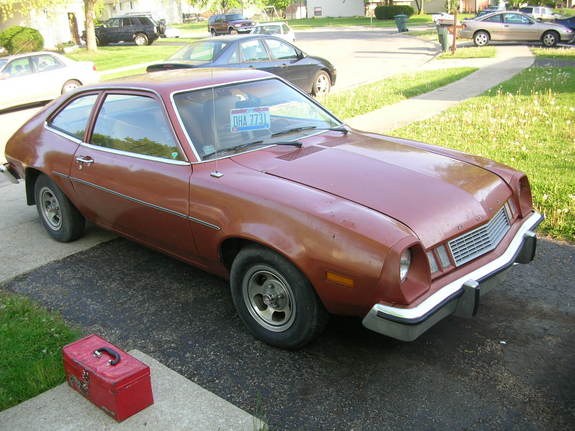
point(243, 175)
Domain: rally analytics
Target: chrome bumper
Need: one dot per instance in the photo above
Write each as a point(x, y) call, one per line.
point(8, 175)
point(460, 297)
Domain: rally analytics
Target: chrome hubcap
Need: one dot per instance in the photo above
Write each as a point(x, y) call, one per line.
point(269, 298)
point(321, 85)
point(50, 207)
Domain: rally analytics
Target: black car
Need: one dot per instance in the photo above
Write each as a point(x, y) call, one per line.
point(314, 75)
point(232, 23)
point(567, 22)
point(140, 29)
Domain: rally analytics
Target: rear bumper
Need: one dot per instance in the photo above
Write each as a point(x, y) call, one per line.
point(460, 297)
point(9, 174)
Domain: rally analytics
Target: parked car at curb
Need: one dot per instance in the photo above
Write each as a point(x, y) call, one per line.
point(234, 23)
point(540, 13)
point(513, 26)
point(247, 177)
point(141, 29)
point(36, 77)
point(567, 22)
point(314, 75)
point(278, 29)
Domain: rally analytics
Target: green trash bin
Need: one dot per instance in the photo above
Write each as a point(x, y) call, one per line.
point(443, 36)
point(401, 23)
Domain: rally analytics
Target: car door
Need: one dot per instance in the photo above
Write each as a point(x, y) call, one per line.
point(494, 26)
point(113, 31)
point(290, 64)
point(18, 85)
point(132, 175)
point(518, 27)
point(50, 74)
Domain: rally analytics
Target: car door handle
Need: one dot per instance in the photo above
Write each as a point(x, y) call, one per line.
point(85, 160)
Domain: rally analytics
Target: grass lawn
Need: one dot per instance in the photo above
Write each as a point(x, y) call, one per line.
point(527, 122)
point(563, 53)
point(471, 52)
point(112, 57)
point(369, 97)
point(31, 340)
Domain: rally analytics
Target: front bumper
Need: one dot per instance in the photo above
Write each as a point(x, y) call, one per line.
point(460, 297)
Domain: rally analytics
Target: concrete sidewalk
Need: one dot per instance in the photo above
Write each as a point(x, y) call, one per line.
point(180, 404)
point(509, 61)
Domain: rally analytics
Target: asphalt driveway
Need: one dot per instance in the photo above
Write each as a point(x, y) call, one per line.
point(511, 367)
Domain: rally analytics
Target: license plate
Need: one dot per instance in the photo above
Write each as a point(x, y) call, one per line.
point(247, 119)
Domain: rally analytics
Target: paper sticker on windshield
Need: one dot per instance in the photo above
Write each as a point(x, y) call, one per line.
point(245, 119)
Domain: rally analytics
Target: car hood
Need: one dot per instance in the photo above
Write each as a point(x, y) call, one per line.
point(437, 197)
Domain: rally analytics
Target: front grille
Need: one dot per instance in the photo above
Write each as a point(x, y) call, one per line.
point(480, 240)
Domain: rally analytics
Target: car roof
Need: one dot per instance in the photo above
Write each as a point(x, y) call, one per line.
point(234, 37)
point(167, 82)
point(28, 54)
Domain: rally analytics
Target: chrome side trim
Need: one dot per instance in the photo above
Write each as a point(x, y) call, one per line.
point(454, 288)
point(141, 202)
point(135, 155)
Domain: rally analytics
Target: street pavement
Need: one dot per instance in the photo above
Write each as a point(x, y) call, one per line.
point(26, 247)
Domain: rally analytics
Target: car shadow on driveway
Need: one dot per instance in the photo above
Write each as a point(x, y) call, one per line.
point(510, 367)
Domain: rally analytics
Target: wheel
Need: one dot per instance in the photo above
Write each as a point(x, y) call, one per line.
point(321, 84)
point(70, 85)
point(60, 218)
point(274, 299)
point(141, 39)
point(232, 31)
point(213, 32)
point(481, 38)
point(550, 39)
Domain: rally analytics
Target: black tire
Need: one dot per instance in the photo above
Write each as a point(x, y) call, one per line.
point(213, 32)
point(550, 39)
point(275, 300)
point(60, 218)
point(481, 38)
point(321, 84)
point(232, 30)
point(140, 39)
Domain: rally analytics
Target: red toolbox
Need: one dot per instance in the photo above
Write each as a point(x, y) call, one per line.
point(112, 379)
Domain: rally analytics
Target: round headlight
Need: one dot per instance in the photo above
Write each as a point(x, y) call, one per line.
point(404, 264)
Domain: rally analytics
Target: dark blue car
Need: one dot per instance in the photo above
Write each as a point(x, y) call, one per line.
point(314, 75)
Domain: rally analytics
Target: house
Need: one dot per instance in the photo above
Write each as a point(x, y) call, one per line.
point(335, 8)
point(57, 24)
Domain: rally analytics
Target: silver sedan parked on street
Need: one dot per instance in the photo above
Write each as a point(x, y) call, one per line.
point(513, 26)
point(36, 77)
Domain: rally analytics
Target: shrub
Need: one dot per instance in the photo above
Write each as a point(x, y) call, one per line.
point(388, 12)
point(21, 39)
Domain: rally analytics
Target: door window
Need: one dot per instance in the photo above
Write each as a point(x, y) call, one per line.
point(253, 50)
point(281, 50)
point(135, 124)
point(73, 119)
point(18, 67)
point(515, 18)
point(46, 62)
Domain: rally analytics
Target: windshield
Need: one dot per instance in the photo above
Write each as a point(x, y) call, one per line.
point(234, 17)
point(206, 51)
point(240, 117)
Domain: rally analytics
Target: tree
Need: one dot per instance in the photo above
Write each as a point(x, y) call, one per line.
point(90, 13)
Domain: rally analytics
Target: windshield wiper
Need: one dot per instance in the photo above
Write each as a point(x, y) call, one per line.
point(250, 144)
point(340, 128)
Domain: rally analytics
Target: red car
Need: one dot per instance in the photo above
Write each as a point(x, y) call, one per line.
point(243, 175)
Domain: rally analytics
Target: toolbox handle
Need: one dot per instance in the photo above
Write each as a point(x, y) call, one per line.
point(111, 352)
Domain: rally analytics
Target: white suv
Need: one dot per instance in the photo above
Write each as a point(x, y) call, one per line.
point(539, 12)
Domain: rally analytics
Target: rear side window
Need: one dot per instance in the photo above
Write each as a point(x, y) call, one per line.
point(73, 119)
point(135, 124)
